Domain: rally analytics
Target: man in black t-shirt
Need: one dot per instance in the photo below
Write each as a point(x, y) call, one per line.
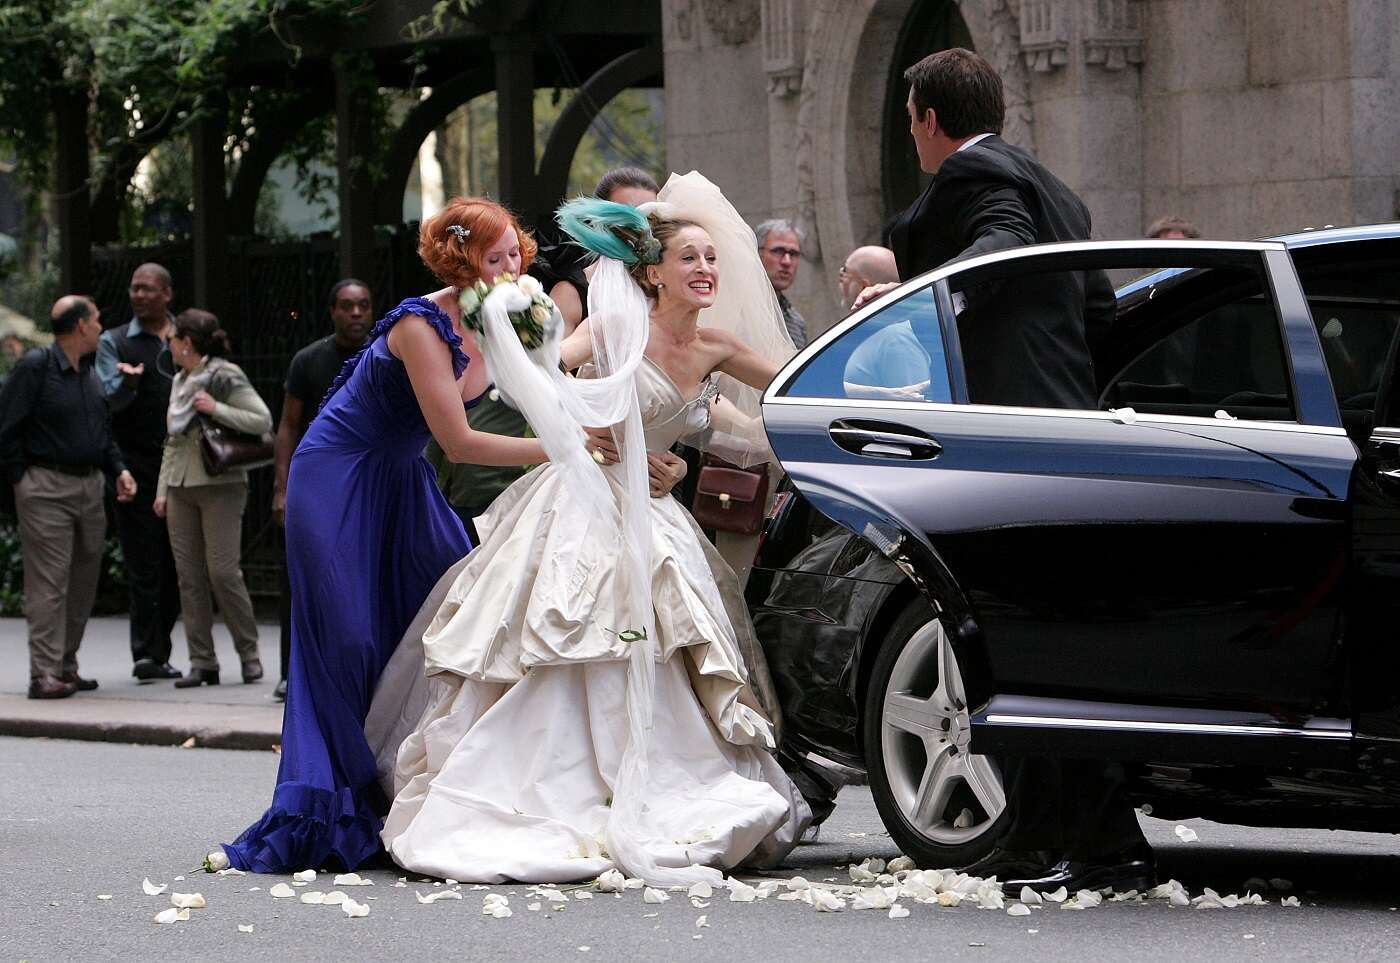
point(309, 377)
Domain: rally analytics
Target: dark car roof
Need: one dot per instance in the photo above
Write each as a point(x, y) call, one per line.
point(1302, 239)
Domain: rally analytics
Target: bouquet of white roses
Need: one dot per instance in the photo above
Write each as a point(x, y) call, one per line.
point(530, 324)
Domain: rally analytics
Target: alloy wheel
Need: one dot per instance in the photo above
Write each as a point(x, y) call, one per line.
point(945, 793)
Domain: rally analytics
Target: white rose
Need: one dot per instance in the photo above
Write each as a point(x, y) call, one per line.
point(530, 287)
point(540, 313)
point(215, 861)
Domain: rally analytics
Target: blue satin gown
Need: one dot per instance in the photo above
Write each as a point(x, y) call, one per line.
point(368, 535)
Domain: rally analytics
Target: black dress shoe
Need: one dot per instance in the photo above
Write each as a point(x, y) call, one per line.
point(84, 685)
point(279, 694)
point(1007, 864)
point(50, 687)
point(198, 677)
point(147, 669)
point(252, 671)
point(1121, 872)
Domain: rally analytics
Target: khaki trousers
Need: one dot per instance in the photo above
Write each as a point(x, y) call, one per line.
point(206, 535)
point(61, 529)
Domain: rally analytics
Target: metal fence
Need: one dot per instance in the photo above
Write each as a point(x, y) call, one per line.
point(278, 304)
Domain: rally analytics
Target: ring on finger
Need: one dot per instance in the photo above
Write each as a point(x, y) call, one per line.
point(598, 456)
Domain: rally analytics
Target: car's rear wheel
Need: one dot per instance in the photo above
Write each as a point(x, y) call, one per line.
point(943, 805)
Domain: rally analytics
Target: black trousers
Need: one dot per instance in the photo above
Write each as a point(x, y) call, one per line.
point(1074, 808)
point(152, 584)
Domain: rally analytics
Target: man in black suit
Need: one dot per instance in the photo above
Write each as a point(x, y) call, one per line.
point(1025, 341)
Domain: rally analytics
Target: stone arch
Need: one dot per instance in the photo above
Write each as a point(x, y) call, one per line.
point(425, 117)
point(269, 143)
point(841, 117)
point(628, 70)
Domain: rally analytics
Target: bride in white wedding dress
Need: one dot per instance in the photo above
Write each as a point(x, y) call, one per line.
point(581, 698)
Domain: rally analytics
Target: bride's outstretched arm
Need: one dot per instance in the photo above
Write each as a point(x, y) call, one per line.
point(577, 347)
point(429, 363)
point(743, 363)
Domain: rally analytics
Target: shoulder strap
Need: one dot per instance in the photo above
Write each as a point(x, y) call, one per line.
point(437, 319)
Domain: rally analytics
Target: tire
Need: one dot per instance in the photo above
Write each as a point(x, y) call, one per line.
point(916, 728)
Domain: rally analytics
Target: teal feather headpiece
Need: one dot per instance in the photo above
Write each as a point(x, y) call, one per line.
point(609, 229)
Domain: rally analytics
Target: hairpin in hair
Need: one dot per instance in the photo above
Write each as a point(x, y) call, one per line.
point(459, 230)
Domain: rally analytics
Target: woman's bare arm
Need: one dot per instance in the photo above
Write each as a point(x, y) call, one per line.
point(428, 360)
point(577, 348)
point(741, 362)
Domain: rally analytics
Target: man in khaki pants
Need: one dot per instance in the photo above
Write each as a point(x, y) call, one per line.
point(55, 442)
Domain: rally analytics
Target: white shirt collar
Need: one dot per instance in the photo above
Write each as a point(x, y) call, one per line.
point(975, 140)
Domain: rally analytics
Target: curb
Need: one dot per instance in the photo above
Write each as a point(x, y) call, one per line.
point(138, 733)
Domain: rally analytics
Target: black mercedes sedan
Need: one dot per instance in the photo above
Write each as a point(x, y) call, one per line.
point(1199, 577)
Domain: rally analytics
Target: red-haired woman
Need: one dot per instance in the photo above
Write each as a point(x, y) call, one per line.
point(368, 534)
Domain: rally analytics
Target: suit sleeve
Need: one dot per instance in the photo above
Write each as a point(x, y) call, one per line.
point(994, 217)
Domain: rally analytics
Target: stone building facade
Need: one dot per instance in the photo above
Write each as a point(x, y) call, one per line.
point(1249, 117)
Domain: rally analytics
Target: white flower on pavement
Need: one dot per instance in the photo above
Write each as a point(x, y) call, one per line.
point(151, 889)
point(281, 891)
point(441, 894)
point(701, 890)
point(188, 900)
point(353, 909)
point(215, 861)
point(898, 912)
point(305, 876)
point(334, 898)
point(1030, 897)
point(650, 895)
point(1058, 896)
point(313, 898)
point(351, 879)
point(741, 892)
point(172, 915)
point(494, 904)
point(825, 901)
point(1018, 909)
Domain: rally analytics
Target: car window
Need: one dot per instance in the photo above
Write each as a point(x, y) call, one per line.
point(895, 354)
point(1353, 292)
point(1201, 343)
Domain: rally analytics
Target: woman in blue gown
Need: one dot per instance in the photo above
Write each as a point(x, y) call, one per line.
point(369, 534)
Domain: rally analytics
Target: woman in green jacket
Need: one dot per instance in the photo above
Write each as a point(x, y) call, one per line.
point(205, 512)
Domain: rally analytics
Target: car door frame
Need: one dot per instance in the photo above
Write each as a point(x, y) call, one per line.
point(1315, 410)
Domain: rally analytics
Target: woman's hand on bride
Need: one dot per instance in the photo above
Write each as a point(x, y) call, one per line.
point(601, 446)
point(665, 471)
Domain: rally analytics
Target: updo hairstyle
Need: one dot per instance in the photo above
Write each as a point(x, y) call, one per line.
point(664, 231)
point(456, 260)
point(204, 333)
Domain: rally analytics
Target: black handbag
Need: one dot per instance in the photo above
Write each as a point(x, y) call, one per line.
point(224, 449)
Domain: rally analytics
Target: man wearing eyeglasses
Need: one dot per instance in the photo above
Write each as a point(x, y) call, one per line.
point(863, 267)
point(780, 249)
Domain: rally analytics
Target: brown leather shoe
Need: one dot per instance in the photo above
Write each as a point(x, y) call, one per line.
point(84, 685)
point(50, 687)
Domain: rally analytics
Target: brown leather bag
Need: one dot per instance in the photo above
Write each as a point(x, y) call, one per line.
point(729, 498)
point(224, 449)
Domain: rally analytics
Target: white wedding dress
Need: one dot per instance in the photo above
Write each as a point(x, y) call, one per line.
point(502, 758)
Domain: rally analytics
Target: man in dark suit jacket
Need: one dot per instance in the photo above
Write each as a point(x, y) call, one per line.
point(1025, 341)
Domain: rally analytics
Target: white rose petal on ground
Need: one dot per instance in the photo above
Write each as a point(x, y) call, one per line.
point(172, 915)
point(650, 916)
point(1030, 897)
point(282, 891)
point(635, 884)
point(305, 876)
point(611, 882)
point(552, 895)
point(583, 894)
point(1289, 901)
point(702, 921)
point(1186, 834)
point(871, 897)
point(334, 898)
point(898, 912)
point(188, 900)
point(351, 879)
point(900, 864)
point(313, 898)
point(179, 879)
point(767, 888)
point(442, 894)
point(230, 872)
point(1058, 896)
point(245, 927)
point(151, 889)
point(104, 896)
point(740, 892)
point(701, 890)
point(650, 895)
point(533, 907)
point(353, 909)
point(825, 901)
point(1018, 909)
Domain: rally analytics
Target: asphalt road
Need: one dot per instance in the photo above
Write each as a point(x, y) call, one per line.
point(79, 820)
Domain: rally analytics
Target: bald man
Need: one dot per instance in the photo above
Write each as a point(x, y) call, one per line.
point(134, 363)
point(865, 266)
point(55, 444)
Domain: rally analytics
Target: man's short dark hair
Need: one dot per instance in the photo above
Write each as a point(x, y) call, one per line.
point(624, 177)
point(77, 311)
point(341, 285)
point(1171, 222)
point(962, 89)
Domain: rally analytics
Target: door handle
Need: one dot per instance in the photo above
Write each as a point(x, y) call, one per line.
point(880, 440)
